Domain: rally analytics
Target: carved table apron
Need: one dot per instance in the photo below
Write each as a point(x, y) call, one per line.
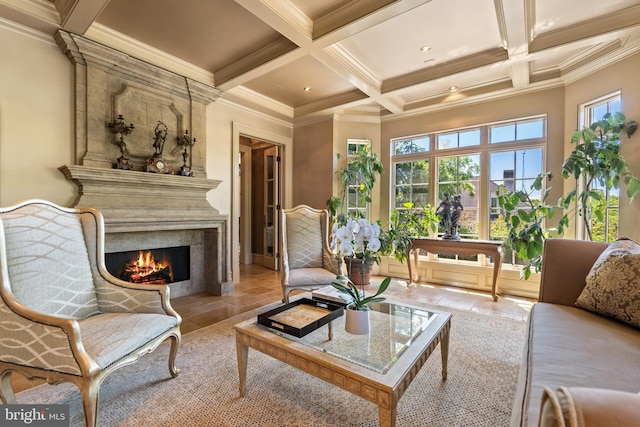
point(461, 248)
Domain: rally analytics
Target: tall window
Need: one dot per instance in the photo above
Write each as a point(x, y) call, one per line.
point(470, 162)
point(411, 176)
point(461, 175)
point(605, 229)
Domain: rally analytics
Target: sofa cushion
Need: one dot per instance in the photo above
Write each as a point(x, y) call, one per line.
point(613, 284)
point(581, 406)
point(571, 347)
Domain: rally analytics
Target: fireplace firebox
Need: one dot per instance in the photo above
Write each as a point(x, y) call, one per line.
point(150, 266)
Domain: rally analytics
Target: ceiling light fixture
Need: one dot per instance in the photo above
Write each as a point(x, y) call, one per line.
point(307, 89)
point(425, 48)
point(453, 88)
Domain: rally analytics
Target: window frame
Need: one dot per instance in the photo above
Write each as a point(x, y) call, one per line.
point(585, 117)
point(483, 149)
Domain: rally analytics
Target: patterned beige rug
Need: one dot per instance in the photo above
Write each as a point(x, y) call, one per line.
point(484, 357)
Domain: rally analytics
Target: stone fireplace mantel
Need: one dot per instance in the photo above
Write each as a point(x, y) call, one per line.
point(130, 200)
point(147, 209)
point(144, 210)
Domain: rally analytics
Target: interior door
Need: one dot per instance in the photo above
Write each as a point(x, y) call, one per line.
point(271, 207)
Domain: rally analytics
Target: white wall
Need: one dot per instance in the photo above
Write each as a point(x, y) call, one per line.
point(36, 117)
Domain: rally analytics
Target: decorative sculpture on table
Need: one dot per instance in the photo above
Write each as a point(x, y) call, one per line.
point(187, 143)
point(456, 211)
point(446, 212)
point(156, 163)
point(119, 127)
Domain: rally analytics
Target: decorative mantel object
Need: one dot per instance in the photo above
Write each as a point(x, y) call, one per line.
point(187, 142)
point(156, 163)
point(119, 127)
point(109, 82)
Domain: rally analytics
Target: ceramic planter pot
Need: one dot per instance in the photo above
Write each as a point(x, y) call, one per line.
point(358, 271)
point(356, 321)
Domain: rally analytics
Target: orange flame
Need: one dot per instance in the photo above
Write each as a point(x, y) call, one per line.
point(145, 266)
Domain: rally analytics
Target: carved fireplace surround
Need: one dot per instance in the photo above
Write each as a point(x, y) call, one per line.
point(144, 210)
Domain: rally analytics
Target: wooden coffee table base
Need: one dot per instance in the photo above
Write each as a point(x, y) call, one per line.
point(382, 389)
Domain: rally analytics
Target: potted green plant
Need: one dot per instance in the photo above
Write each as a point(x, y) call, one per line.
point(408, 224)
point(595, 159)
point(361, 174)
point(357, 313)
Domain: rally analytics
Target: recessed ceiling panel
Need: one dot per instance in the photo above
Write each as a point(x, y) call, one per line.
point(208, 34)
point(462, 81)
point(555, 59)
point(287, 84)
point(553, 14)
point(452, 29)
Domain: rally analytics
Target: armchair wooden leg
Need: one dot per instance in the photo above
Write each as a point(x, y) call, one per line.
point(90, 391)
point(6, 389)
point(173, 352)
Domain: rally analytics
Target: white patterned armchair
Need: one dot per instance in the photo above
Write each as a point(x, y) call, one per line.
point(307, 261)
point(63, 317)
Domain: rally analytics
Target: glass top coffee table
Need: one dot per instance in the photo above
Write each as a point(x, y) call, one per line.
point(378, 366)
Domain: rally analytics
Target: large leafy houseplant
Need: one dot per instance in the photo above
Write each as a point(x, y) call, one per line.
point(597, 166)
point(359, 176)
point(525, 218)
point(408, 224)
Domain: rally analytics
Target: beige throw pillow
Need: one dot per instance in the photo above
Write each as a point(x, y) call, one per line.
point(613, 284)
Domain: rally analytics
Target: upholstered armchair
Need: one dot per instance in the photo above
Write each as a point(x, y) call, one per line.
point(63, 317)
point(307, 261)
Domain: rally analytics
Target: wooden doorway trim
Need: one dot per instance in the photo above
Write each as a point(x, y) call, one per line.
point(286, 142)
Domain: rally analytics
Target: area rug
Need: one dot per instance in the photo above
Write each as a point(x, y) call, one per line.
point(484, 357)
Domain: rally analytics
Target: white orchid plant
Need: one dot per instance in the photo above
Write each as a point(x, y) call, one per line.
point(357, 238)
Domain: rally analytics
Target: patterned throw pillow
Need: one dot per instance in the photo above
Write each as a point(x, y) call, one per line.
point(613, 284)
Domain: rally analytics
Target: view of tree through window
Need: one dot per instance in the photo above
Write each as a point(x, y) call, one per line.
point(605, 230)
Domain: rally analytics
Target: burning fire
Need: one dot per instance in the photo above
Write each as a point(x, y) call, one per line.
point(145, 269)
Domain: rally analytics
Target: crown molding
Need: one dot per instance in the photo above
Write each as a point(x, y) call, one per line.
point(37, 14)
point(26, 31)
point(480, 98)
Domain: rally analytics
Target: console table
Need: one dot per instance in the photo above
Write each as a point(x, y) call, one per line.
point(463, 247)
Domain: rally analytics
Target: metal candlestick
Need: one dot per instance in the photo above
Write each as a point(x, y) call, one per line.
point(119, 127)
point(186, 142)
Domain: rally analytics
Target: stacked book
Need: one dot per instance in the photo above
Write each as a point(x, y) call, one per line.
point(331, 295)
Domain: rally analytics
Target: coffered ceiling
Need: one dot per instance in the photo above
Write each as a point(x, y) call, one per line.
point(355, 55)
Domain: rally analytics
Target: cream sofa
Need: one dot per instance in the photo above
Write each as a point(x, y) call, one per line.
point(575, 361)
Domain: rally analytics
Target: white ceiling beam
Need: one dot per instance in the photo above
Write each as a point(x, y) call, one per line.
point(76, 16)
point(281, 15)
point(588, 29)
